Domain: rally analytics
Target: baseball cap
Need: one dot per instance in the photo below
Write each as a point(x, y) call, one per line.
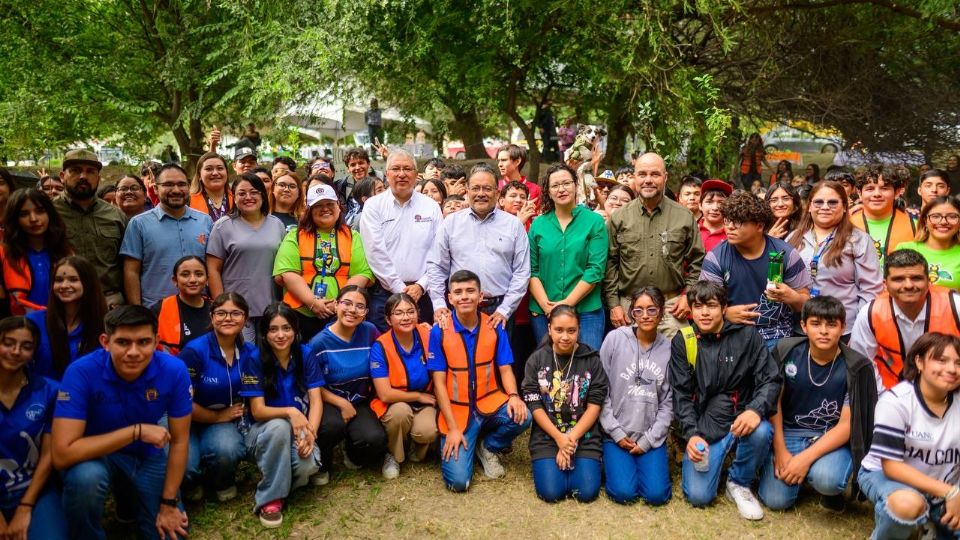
point(716, 185)
point(320, 192)
point(244, 151)
point(81, 156)
point(606, 177)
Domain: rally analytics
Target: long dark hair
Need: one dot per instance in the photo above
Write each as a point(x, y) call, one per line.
point(794, 196)
point(923, 233)
point(546, 203)
point(15, 239)
point(268, 359)
point(932, 344)
point(833, 256)
point(93, 307)
point(306, 223)
point(10, 324)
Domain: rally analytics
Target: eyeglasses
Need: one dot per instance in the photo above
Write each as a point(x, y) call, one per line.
point(347, 304)
point(949, 219)
point(732, 224)
point(651, 312)
point(172, 185)
point(129, 189)
point(285, 186)
point(221, 314)
point(408, 313)
point(483, 189)
point(398, 170)
point(832, 204)
point(563, 185)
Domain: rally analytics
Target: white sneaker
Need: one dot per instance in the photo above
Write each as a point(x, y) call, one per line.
point(391, 469)
point(490, 461)
point(349, 464)
point(322, 478)
point(228, 494)
point(747, 504)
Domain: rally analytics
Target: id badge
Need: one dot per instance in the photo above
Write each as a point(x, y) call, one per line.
point(320, 289)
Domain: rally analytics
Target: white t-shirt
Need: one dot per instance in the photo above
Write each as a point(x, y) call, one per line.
point(906, 430)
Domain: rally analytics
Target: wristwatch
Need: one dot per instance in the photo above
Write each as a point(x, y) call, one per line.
point(170, 502)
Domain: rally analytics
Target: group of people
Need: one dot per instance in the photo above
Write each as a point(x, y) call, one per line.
point(298, 323)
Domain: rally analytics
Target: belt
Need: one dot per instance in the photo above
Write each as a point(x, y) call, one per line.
point(488, 301)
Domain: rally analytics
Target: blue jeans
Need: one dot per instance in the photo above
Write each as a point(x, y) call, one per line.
point(827, 476)
point(631, 477)
point(497, 430)
point(582, 482)
point(876, 486)
point(86, 484)
point(46, 519)
point(271, 445)
point(215, 450)
point(592, 324)
point(700, 488)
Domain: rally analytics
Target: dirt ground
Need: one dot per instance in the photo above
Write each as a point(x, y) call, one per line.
point(360, 504)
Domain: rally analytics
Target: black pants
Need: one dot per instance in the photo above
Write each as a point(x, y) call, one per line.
point(378, 301)
point(311, 326)
point(366, 441)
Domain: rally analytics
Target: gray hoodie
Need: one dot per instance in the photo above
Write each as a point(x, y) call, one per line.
point(639, 404)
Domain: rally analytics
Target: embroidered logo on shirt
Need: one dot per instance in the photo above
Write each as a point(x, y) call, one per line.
point(151, 394)
point(63, 395)
point(35, 412)
point(202, 239)
point(422, 219)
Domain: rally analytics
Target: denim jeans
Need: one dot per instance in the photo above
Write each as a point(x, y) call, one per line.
point(876, 486)
point(271, 445)
point(86, 484)
point(630, 477)
point(364, 436)
point(497, 431)
point(47, 520)
point(827, 476)
point(700, 488)
point(592, 324)
point(582, 482)
point(215, 450)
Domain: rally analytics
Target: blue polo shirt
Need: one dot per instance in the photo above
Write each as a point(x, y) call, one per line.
point(287, 394)
point(21, 428)
point(43, 355)
point(437, 361)
point(215, 386)
point(414, 361)
point(158, 240)
point(39, 276)
point(93, 392)
point(346, 365)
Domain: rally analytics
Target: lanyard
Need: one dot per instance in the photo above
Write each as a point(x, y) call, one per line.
point(323, 254)
point(821, 247)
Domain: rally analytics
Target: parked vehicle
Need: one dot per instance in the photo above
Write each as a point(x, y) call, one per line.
point(786, 138)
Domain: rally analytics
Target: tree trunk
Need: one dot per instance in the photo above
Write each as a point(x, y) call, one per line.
point(618, 126)
point(466, 125)
point(529, 133)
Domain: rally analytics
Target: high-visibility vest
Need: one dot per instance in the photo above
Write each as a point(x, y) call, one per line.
point(198, 201)
point(891, 350)
point(17, 278)
point(168, 326)
point(901, 229)
point(484, 392)
point(396, 369)
point(307, 243)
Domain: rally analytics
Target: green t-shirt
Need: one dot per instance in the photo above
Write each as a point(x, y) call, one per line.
point(878, 231)
point(288, 260)
point(944, 264)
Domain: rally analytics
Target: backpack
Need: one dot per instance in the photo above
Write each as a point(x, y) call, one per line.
point(690, 342)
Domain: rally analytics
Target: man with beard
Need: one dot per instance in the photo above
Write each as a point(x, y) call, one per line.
point(489, 242)
point(94, 227)
point(157, 239)
point(653, 242)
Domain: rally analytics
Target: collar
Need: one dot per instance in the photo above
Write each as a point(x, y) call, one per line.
point(460, 328)
point(923, 403)
point(110, 374)
point(93, 207)
point(490, 217)
point(658, 207)
point(921, 317)
point(160, 213)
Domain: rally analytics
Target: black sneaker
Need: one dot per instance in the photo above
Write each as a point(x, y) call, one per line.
point(833, 503)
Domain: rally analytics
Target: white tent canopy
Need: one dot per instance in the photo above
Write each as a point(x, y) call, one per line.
point(337, 119)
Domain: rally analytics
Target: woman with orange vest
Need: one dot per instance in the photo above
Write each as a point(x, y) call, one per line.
point(208, 192)
point(317, 259)
point(752, 157)
point(184, 316)
point(405, 402)
point(34, 240)
point(480, 413)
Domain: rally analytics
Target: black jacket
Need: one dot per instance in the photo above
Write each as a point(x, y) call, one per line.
point(734, 372)
point(861, 386)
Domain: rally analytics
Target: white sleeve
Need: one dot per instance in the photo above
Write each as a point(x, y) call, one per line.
point(863, 341)
point(374, 247)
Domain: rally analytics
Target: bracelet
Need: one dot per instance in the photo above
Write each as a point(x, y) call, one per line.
point(134, 434)
point(139, 431)
point(954, 491)
point(28, 505)
point(512, 394)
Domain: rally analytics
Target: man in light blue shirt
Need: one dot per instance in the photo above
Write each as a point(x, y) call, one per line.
point(157, 239)
point(487, 241)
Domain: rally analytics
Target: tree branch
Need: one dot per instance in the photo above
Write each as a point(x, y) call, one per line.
point(942, 22)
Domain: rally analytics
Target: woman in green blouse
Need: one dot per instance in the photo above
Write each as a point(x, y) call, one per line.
point(568, 256)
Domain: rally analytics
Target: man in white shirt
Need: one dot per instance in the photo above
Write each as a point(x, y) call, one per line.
point(398, 228)
point(487, 241)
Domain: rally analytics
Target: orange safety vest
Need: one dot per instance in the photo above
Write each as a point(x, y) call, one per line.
point(396, 369)
point(901, 229)
point(168, 326)
point(484, 392)
point(17, 278)
point(198, 201)
point(307, 243)
point(940, 317)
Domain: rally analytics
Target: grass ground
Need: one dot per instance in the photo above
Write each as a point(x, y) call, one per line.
point(360, 504)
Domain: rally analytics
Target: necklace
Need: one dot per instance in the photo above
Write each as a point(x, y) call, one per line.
point(562, 372)
point(833, 363)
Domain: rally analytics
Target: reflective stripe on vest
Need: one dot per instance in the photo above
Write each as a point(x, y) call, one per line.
point(307, 244)
point(168, 326)
point(479, 387)
point(940, 317)
point(901, 229)
point(396, 369)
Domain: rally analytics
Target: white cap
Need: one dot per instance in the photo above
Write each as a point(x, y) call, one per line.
point(320, 192)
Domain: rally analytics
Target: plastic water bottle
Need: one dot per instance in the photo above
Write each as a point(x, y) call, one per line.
point(704, 464)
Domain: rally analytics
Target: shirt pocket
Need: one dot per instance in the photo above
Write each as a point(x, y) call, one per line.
point(673, 245)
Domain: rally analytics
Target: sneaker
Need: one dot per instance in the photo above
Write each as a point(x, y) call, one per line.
point(391, 469)
point(322, 478)
point(747, 504)
point(833, 503)
point(490, 461)
point(349, 464)
point(224, 495)
point(271, 514)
